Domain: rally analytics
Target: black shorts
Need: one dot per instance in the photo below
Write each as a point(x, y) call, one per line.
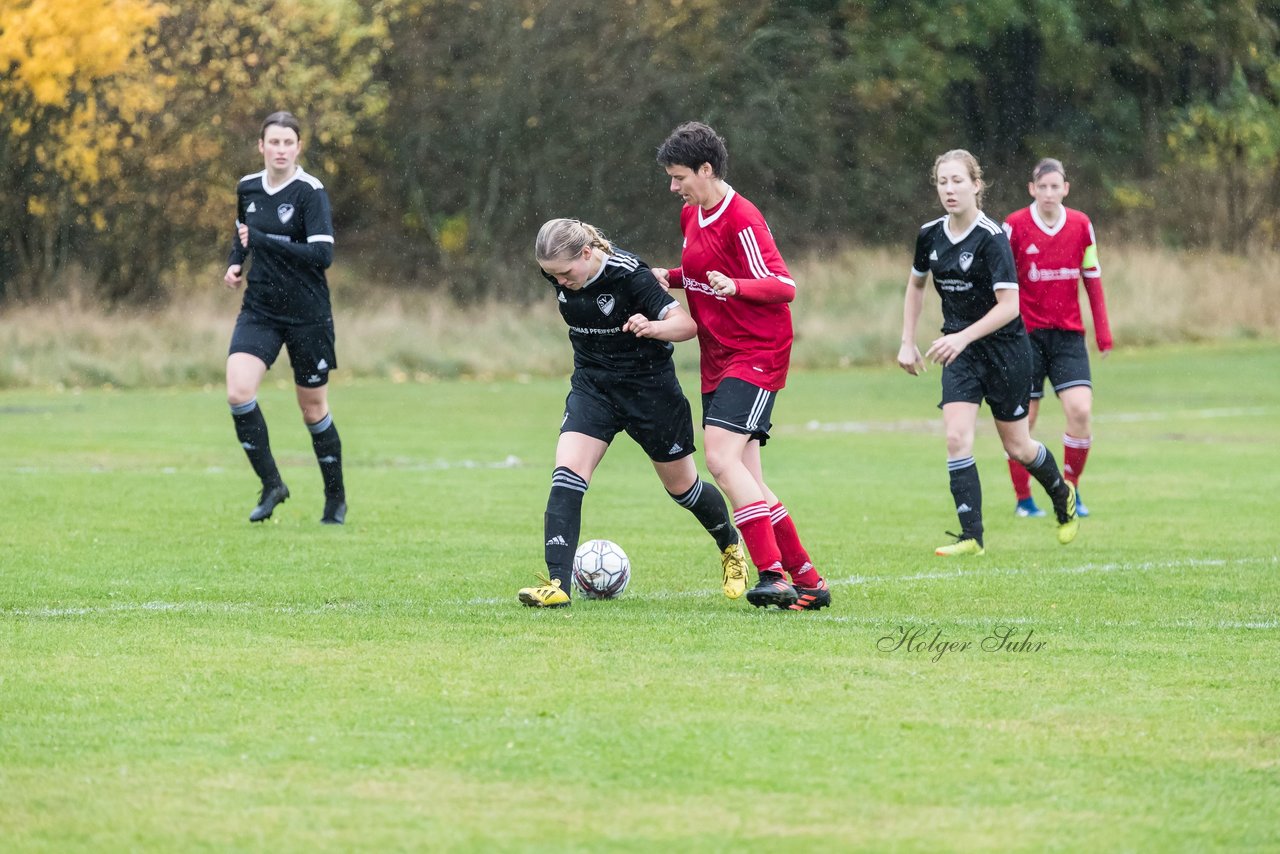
point(311, 346)
point(997, 370)
point(1060, 355)
point(651, 409)
point(739, 407)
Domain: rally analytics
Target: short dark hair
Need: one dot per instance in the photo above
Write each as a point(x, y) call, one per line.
point(284, 119)
point(1047, 166)
point(693, 144)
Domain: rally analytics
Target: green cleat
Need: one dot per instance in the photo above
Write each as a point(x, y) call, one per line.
point(1068, 519)
point(962, 547)
point(546, 595)
point(734, 563)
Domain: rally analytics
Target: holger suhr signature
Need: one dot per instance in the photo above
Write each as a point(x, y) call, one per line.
point(932, 643)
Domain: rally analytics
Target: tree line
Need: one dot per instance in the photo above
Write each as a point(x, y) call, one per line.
point(447, 130)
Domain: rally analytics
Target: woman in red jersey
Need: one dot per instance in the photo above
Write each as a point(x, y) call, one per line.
point(738, 289)
point(1054, 248)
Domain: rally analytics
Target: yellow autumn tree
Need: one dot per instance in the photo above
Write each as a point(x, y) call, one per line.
point(74, 82)
point(126, 123)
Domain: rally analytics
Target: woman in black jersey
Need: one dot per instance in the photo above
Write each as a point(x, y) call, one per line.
point(284, 224)
point(984, 349)
point(622, 324)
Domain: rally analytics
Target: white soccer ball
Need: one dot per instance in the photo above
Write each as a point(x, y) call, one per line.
point(601, 569)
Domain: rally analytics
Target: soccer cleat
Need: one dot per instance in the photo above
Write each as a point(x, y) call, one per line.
point(962, 547)
point(1081, 510)
point(772, 589)
point(546, 595)
point(812, 598)
point(271, 496)
point(335, 510)
point(734, 562)
point(1068, 518)
point(1027, 509)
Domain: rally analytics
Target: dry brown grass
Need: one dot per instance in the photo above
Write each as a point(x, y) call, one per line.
point(849, 312)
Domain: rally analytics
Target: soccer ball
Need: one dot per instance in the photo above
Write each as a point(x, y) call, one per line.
point(601, 569)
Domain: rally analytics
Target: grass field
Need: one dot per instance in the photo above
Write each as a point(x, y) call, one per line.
point(172, 678)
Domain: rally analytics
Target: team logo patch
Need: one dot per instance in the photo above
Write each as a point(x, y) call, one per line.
point(966, 261)
point(285, 212)
point(605, 303)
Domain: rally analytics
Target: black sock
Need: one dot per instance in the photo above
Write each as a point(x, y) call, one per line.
point(328, 448)
point(562, 523)
point(966, 489)
point(706, 503)
point(1044, 468)
point(251, 430)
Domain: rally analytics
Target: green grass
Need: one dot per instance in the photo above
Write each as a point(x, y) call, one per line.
point(172, 678)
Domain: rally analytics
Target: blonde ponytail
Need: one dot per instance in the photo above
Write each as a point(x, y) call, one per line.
point(562, 239)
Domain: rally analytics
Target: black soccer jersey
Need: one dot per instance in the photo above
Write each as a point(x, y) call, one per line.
point(596, 312)
point(291, 241)
point(967, 271)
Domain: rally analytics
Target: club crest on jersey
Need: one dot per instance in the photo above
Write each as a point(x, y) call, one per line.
point(605, 303)
point(966, 261)
point(285, 212)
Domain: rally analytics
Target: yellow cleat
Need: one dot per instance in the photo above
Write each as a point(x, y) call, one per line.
point(1068, 529)
point(734, 562)
point(546, 595)
point(962, 547)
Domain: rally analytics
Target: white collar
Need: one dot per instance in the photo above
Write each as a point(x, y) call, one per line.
point(705, 220)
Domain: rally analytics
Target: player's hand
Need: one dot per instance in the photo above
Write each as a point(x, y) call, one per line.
point(944, 350)
point(721, 284)
point(640, 326)
point(662, 275)
point(244, 235)
point(910, 360)
point(234, 277)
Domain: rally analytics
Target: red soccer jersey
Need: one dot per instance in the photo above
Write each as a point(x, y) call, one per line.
point(748, 335)
point(1051, 261)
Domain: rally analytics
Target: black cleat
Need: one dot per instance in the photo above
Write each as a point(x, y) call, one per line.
point(335, 510)
point(271, 496)
point(812, 598)
point(772, 589)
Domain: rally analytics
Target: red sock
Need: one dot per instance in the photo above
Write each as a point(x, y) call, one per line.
point(794, 557)
point(1074, 453)
point(752, 521)
point(1021, 479)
